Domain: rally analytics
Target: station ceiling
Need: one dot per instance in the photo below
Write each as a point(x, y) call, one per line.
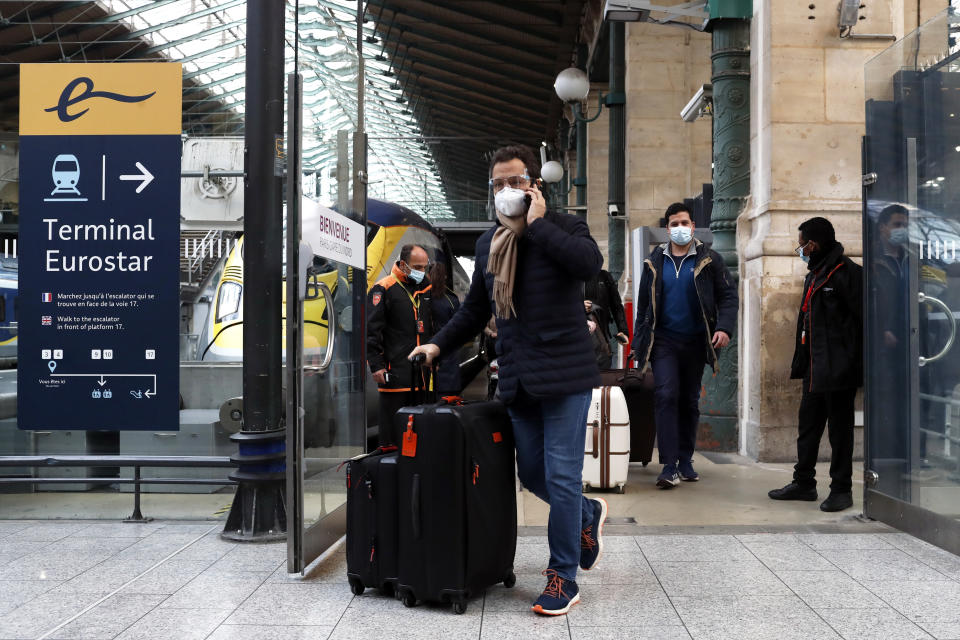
point(446, 82)
point(481, 69)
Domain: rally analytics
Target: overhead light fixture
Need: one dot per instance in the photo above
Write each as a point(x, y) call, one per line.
point(572, 85)
point(625, 11)
point(551, 171)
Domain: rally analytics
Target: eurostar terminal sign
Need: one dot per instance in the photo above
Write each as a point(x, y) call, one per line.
point(98, 344)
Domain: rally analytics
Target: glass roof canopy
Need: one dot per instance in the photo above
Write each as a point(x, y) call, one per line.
point(208, 37)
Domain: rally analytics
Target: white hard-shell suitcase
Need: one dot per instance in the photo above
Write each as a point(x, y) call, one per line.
point(607, 451)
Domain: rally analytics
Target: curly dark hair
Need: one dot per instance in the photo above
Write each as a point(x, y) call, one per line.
point(513, 151)
point(674, 209)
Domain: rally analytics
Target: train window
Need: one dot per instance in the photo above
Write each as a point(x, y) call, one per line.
point(371, 231)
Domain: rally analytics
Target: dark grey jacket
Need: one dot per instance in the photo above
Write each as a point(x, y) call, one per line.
point(546, 348)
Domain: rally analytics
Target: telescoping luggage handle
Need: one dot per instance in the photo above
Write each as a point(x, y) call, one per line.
point(420, 386)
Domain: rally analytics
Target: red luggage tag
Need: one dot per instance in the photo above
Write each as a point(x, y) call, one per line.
point(409, 440)
point(497, 436)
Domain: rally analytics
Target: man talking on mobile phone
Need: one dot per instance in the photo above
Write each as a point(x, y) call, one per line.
point(529, 271)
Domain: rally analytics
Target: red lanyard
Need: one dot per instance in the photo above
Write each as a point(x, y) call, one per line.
point(806, 299)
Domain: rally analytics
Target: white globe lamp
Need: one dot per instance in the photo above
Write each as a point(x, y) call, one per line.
point(572, 85)
point(551, 171)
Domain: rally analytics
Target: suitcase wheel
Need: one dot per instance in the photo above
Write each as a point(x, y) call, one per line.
point(356, 586)
point(645, 463)
point(586, 488)
point(510, 580)
point(408, 599)
point(459, 607)
point(621, 489)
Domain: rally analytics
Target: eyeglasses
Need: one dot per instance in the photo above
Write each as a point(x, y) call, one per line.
point(799, 250)
point(514, 182)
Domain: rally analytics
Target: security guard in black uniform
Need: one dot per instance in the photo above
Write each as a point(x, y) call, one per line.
point(398, 320)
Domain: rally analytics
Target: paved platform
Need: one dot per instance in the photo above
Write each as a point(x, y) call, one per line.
point(179, 581)
point(733, 492)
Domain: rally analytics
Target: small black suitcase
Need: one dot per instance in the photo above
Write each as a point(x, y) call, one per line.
point(458, 510)
point(372, 521)
point(638, 391)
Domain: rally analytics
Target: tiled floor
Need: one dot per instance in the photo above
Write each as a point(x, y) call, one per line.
point(92, 581)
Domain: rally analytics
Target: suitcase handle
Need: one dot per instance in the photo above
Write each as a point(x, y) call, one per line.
point(419, 387)
point(596, 439)
point(415, 505)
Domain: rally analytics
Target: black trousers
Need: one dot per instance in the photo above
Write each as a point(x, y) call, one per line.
point(833, 409)
point(390, 403)
point(677, 372)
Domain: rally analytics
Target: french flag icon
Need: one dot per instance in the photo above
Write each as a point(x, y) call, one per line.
point(48, 297)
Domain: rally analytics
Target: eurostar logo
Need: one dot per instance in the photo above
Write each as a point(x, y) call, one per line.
point(68, 99)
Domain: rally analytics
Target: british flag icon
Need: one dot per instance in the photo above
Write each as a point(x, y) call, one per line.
point(46, 320)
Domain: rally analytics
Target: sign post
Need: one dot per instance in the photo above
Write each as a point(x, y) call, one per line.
point(98, 344)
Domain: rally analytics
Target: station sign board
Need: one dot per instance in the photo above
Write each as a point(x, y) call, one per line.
point(332, 235)
point(98, 305)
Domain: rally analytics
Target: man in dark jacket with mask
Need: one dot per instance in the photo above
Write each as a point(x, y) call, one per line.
point(398, 319)
point(686, 309)
point(529, 272)
point(828, 357)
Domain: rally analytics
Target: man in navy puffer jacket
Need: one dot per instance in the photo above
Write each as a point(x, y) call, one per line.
point(530, 270)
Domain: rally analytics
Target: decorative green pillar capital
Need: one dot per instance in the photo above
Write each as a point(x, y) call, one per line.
point(730, 9)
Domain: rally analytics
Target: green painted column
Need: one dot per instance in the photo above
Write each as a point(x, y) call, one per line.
point(731, 132)
point(617, 159)
point(730, 57)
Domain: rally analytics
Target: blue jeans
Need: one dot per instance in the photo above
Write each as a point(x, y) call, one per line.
point(550, 434)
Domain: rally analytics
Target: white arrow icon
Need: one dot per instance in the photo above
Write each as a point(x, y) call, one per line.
point(149, 393)
point(101, 381)
point(144, 175)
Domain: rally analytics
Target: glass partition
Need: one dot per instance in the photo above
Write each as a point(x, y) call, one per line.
point(911, 236)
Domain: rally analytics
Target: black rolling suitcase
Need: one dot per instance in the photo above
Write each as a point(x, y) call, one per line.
point(638, 392)
point(458, 510)
point(372, 521)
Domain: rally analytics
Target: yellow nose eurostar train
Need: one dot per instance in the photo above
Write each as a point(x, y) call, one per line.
point(389, 227)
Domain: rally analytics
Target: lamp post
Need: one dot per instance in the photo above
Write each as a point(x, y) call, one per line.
point(572, 86)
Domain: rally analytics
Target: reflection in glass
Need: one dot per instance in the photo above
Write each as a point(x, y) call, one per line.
point(912, 232)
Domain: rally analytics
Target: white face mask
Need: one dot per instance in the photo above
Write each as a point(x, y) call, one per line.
point(899, 237)
point(416, 276)
point(681, 236)
point(510, 202)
